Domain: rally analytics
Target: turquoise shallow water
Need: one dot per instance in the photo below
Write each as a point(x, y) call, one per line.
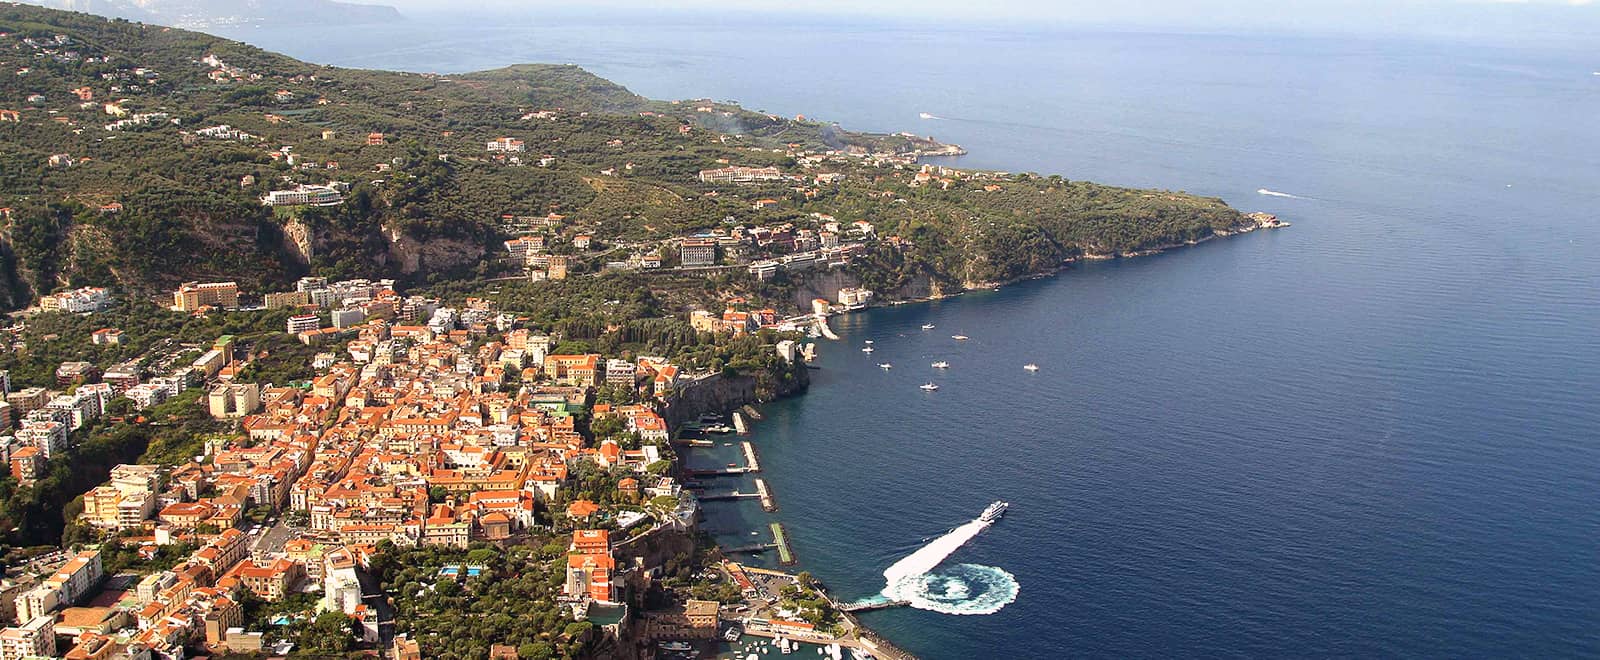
point(1370, 434)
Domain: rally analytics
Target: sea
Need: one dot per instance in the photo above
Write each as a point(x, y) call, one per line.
point(1375, 433)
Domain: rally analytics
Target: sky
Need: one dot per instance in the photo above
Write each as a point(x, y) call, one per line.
point(1469, 18)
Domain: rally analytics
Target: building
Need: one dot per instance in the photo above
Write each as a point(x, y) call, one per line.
point(738, 174)
point(505, 144)
point(307, 195)
point(77, 301)
point(28, 399)
point(285, 299)
point(698, 251)
point(106, 337)
point(232, 401)
point(77, 372)
point(851, 296)
point(34, 639)
point(303, 323)
point(192, 296)
point(26, 464)
point(620, 372)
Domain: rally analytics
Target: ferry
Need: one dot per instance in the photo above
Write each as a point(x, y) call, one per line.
point(960, 337)
point(927, 326)
point(994, 511)
point(1031, 366)
point(929, 387)
point(941, 365)
point(885, 366)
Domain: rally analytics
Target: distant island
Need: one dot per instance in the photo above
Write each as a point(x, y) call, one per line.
point(210, 14)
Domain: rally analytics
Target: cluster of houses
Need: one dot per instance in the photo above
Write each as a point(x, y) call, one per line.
point(77, 301)
point(458, 430)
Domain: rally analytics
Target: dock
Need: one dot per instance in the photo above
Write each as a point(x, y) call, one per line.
point(872, 605)
point(735, 495)
point(719, 472)
point(750, 462)
point(785, 555)
point(768, 503)
point(739, 425)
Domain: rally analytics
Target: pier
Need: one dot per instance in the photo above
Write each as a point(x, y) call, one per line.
point(822, 327)
point(719, 472)
point(785, 555)
point(739, 425)
point(872, 605)
point(751, 464)
point(735, 495)
point(768, 503)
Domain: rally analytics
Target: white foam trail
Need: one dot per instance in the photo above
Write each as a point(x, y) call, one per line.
point(961, 589)
point(1274, 193)
point(925, 115)
point(928, 557)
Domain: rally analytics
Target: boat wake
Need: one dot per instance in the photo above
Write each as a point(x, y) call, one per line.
point(1274, 193)
point(925, 115)
point(959, 589)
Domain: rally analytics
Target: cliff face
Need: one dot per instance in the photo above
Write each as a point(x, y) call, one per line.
point(826, 284)
point(719, 394)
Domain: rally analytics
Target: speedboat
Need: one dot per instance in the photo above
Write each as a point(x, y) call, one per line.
point(941, 365)
point(929, 387)
point(1031, 366)
point(866, 349)
point(994, 511)
point(960, 337)
point(927, 326)
point(869, 341)
point(885, 366)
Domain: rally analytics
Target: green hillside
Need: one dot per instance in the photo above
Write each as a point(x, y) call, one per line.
point(426, 203)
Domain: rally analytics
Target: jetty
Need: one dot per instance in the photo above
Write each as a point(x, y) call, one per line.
point(733, 495)
point(872, 605)
point(767, 501)
point(785, 555)
point(751, 464)
point(822, 327)
point(739, 425)
point(718, 472)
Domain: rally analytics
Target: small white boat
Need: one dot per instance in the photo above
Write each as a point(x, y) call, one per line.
point(869, 342)
point(929, 387)
point(866, 349)
point(941, 365)
point(885, 366)
point(927, 326)
point(1031, 366)
point(960, 337)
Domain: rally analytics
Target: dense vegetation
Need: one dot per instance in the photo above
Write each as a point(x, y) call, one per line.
point(512, 602)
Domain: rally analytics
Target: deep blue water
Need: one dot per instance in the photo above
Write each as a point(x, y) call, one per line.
point(1371, 434)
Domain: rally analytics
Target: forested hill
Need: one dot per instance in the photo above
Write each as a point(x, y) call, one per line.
point(136, 156)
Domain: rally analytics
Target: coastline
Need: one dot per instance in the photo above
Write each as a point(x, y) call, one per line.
point(860, 634)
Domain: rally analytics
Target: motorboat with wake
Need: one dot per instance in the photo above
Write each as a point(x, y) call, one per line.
point(994, 511)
